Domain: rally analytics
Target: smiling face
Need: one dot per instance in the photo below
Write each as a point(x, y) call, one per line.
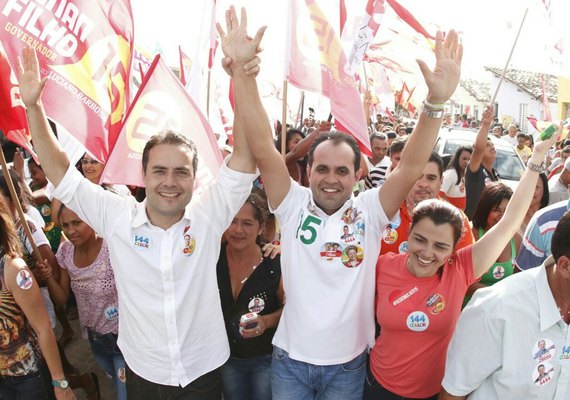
point(427, 186)
point(379, 150)
point(169, 183)
point(429, 247)
point(490, 154)
point(37, 175)
point(496, 214)
point(293, 140)
point(92, 169)
point(74, 228)
point(244, 229)
point(332, 175)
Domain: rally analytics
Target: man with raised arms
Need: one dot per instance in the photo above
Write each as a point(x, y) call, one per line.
point(171, 329)
point(328, 321)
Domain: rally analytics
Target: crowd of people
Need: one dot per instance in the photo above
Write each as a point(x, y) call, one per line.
point(344, 277)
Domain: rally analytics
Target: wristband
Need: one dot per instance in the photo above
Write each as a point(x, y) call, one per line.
point(434, 106)
point(536, 167)
point(432, 113)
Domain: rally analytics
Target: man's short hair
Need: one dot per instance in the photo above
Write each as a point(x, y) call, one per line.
point(170, 137)
point(377, 135)
point(337, 138)
point(560, 245)
point(436, 158)
point(391, 135)
point(397, 145)
point(522, 135)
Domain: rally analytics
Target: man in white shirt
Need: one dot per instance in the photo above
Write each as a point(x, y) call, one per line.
point(328, 321)
point(171, 329)
point(511, 341)
point(558, 185)
point(511, 135)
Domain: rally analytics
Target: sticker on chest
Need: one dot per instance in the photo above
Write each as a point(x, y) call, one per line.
point(417, 321)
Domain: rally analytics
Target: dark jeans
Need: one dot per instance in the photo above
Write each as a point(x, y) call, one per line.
point(32, 386)
point(247, 378)
point(206, 387)
point(375, 391)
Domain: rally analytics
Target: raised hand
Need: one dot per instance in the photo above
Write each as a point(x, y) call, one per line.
point(443, 80)
point(236, 44)
point(31, 86)
point(542, 146)
point(488, 115)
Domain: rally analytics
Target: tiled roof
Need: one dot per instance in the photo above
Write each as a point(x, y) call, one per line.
point(479, 90)
point(530, 82)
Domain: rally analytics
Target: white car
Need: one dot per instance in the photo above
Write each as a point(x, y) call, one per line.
point(508, 163)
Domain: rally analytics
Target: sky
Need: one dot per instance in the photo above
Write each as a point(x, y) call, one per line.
point(488, 29)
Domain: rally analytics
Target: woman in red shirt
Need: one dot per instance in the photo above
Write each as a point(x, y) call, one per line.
point(419, 294)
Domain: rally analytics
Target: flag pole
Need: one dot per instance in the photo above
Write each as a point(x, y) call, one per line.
point(365, 103)
point(208, 95)
point(509, 59)
point(35, 251)
point(284, 121)
point(299, 117)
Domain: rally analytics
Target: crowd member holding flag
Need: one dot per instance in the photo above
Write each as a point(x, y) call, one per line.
point(163, 250)
point(328, 319)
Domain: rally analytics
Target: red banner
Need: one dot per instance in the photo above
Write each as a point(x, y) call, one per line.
point(84, 48)
point(161, 103)
point(317, 63)
point(13, 116)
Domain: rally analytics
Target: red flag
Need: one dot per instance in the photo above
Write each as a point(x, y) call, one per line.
point(409, 18)
point(403, 95)
point(390, 115)
point(326, 73)
point(13, 116)
point(213, 37)
point(185, 66)
point(84, 48)
point(162, 103)
point(342, 16)
point(533, 122)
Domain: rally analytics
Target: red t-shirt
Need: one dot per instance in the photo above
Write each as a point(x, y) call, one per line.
point(417, 317)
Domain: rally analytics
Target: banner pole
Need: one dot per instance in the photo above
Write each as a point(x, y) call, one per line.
point(284, 121)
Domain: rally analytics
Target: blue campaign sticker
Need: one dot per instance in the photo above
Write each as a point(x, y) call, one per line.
point(142, 242)
point(565, 355)
point(417, 321)
point(111, 313)
point(403, 248)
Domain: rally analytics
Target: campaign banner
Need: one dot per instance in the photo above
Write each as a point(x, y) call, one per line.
point(84, 48)
point(161, 103)
point(13, 116)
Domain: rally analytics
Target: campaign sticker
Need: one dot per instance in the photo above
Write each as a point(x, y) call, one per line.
point(403, 247)
point(417, 321)
point(189, 245)
point(111, 313)
point(121, 374)
point(565, 355)
point(24, 279)
point(435, 303)
point(397, 221)
point(390, 235)
point(542, 373)
point(331, 250)
point(349, 215)
point(256, 305)
point(360, 227)
point(45, 210)
point(141, 242)
point(498, 272)
point(347, 236)
point(352, 256)
point(543, 350)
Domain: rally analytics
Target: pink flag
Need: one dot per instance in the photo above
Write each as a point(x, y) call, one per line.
point(545, 104)
point(84, 48)
point(323, 67)
point(161, 103)
point(13, 115)
point(342, 13)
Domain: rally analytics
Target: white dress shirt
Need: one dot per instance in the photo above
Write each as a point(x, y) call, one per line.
point(171, 329)
point(504, 336)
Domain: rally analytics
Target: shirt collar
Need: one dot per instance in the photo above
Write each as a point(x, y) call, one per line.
point(141, 217)
point(315, 209)
point(548, 310)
